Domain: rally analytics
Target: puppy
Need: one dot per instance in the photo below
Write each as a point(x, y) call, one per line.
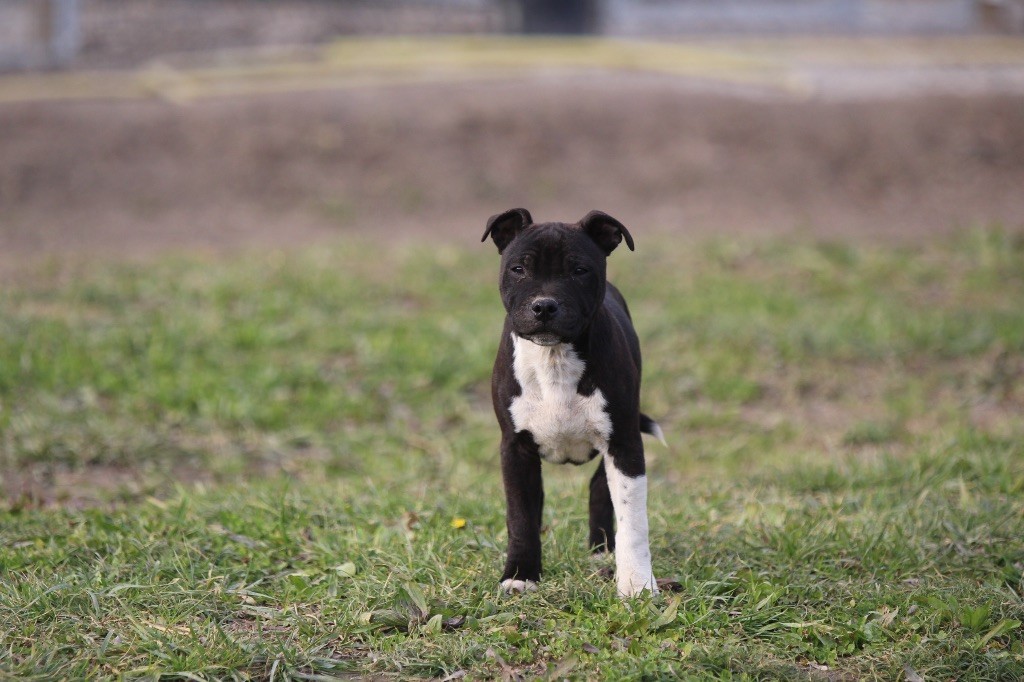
point(566, 388)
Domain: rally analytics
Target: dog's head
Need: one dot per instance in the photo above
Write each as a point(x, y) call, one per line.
point(553, 274)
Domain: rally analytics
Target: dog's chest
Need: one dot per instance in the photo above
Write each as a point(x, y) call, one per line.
point(567, 426)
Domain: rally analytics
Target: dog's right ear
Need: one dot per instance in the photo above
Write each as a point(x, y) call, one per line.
point(504, 227)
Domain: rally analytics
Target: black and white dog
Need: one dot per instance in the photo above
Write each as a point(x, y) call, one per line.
point(566, 388)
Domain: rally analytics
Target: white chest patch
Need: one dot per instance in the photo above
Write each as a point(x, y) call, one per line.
point(566, 426)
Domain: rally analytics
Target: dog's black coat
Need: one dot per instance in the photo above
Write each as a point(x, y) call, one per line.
point(554, 289)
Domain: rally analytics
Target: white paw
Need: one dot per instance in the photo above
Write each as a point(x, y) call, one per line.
point(631, 584)
point(511, 585)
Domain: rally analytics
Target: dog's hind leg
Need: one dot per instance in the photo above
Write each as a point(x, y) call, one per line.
point(602, 513)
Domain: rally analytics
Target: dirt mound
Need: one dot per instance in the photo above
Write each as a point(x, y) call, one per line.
point(143, 175)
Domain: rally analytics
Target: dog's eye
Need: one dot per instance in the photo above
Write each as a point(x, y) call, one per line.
point(518, 269)
point(580, 271)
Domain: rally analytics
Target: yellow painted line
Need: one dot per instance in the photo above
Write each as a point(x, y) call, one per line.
point(363, 62)
point(931, 52)
point(67, 86)
point(477, 53)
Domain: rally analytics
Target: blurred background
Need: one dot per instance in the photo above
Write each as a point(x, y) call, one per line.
point(132, 126)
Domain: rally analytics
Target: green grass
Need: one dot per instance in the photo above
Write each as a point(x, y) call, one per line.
point(259, 467)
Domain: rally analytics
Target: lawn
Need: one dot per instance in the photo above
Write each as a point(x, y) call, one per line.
point(283, 465)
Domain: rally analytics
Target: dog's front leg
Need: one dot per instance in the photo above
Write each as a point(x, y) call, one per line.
point(629, 497)
point(524, 498)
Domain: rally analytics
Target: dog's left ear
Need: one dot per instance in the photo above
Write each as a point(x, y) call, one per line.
point(504, 227)
point(606, 231)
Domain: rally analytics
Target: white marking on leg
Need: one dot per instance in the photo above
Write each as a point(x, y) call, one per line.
point(632, 547)
point(512, 585)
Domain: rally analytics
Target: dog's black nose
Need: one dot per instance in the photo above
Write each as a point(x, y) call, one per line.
point(544, 308)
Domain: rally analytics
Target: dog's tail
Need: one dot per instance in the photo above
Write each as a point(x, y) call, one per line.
point(650, 427)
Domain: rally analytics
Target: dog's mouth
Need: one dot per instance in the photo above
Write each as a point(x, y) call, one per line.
point(544, 339)
point(548, 332)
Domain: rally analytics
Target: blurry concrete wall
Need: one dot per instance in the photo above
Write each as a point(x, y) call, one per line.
point(38, 33)
point(683, 17)
point(91, 33)
point(675, 17)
